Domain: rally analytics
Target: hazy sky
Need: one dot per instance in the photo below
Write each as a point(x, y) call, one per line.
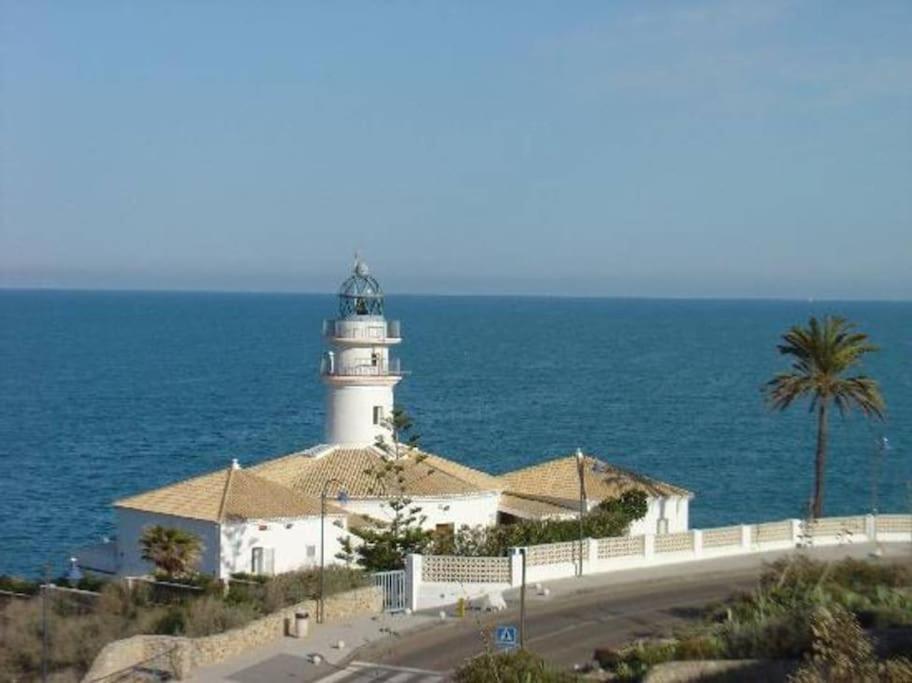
point(617, 148)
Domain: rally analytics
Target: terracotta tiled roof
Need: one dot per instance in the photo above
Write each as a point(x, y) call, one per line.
point(559, 480)
point(356, 468)
point(223, 495)
point(525, 507)
point(482, 480)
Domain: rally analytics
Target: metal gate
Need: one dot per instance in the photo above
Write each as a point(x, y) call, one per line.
point(393, 586)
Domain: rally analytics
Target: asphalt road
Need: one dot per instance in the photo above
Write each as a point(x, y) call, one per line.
point(566, 632)
point(566, 627)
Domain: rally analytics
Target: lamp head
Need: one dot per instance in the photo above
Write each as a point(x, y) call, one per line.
point(74, 573)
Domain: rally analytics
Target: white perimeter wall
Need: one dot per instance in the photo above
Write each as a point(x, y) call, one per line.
point(295, 543)
point(471, 510)
point(130, 526)
point(674, 508)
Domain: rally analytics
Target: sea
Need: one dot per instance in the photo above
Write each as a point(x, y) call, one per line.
point(105, 394)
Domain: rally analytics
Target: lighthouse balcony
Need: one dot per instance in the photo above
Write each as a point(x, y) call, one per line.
point(390, 368)
point(372, 330)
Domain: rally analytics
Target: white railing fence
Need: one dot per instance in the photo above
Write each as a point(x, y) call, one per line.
point(434, 580)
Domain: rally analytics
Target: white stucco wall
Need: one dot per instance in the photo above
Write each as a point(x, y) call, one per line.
point(362, 353)
point(295, 543)
point(130, 525)
point(350, 410)
point(472, 510)
point(228, 549)
point(675, 509)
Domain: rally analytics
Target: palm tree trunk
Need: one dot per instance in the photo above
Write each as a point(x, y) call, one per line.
point(820, 460)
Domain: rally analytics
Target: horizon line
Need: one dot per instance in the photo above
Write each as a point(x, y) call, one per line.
point(478, 295)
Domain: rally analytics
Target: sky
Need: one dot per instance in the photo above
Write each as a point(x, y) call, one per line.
point(704, 149)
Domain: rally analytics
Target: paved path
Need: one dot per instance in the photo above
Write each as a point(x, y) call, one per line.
point(565, 627)
point(365, 672)
point(290, 659)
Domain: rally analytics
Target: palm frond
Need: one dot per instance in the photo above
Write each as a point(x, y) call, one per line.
point(821, 352)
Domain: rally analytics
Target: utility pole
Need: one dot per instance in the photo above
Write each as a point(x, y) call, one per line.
point(883, 445)
point(522, 603)
point(45, 643)
point(581, 470)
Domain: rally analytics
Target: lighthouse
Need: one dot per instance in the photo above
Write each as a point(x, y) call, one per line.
point(357, 368)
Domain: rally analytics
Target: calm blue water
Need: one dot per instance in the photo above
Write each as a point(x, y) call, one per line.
point(106, 394)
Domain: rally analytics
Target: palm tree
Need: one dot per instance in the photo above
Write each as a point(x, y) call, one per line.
point(822, 353)
point(174, 552)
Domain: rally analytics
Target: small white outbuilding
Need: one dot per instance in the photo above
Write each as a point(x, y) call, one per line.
point(245, 523)
point(554, 489)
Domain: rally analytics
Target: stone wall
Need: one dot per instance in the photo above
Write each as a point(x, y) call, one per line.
point(179, 656)
point(216, 648)
point(164, 653)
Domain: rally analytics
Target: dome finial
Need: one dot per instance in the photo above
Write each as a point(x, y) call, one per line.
point(360, 266)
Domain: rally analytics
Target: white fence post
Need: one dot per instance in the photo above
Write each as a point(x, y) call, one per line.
point(870, 531)
point(697, 543)
point(746, 536)
point(649, 546)
point(515, 567)
point(796, 532)
point(593, 562)
point(412, 579)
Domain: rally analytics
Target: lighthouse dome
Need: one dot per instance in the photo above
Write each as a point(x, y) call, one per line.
point(360, 294)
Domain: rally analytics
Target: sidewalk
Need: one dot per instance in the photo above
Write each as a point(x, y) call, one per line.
point(289, 659)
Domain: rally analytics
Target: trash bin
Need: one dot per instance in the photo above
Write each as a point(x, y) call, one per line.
point(301, 623)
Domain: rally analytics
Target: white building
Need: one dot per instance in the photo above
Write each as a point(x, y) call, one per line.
point(241, 519)
point(552, 490)
point(266, 518)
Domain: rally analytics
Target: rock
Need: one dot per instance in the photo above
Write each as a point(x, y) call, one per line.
point(492, 602)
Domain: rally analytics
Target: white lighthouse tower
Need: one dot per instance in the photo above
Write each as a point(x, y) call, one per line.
point(357, 369)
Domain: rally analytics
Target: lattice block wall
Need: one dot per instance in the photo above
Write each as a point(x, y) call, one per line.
point(722, 537)
point(894, 523)
point(555, 553)
point(769, 532)
point(620, 546)
point(455, 569)
point(838, 526)
point(672, 543)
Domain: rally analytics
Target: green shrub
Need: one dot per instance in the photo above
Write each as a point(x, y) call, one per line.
point(699, 646)
point(291, 588)
point(510, 667)
point(210, 615)
point(14, 584)
point(609, 518)
point(172, 622)
point(784, 636)
point(633, 661)
point(896, 671)
point(841, 652)
point(80, 627)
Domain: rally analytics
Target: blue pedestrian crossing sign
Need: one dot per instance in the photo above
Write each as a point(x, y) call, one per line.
point(505, 638)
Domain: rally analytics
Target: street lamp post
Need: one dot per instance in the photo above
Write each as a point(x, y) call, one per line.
point(580, 469)
point(522, 603)
point(883, 445)
point(74, 573)
point(45, 647)
point(342, 497)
